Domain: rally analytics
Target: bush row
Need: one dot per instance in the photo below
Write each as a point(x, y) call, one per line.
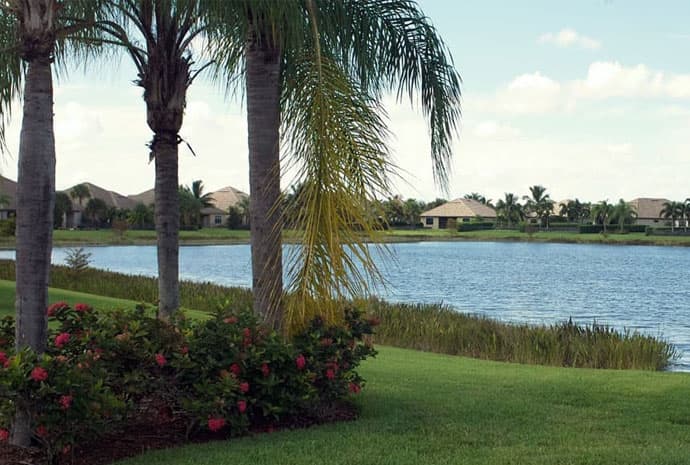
point(222, 375)
point(475, 226)
point(612, 228)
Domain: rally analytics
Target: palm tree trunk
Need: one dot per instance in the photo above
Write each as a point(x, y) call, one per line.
point(35, 201)
point(263, 125)
point(167, 223)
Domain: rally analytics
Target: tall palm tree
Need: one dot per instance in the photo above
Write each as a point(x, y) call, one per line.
point(197, 190)
point(510, 209)
point(540, 204)
point(326, 65)
point(80, 192)
point(671, 210)
point(623, 213)
point(33, 34)
point(158, 35)
point(602, 212)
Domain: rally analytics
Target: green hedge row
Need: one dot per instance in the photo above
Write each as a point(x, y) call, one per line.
point(476, 226)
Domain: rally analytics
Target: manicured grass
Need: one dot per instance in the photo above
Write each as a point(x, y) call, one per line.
point(421, 408)
point(7, 293)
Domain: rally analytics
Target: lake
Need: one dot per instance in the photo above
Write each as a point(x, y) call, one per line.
point(641, 288)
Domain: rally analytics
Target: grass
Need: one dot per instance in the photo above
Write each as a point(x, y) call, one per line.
point(225, 236)
point(7, 293)
point(421, 408)
point(429, 327)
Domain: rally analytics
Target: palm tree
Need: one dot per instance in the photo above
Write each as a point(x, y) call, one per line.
point(672, 210)
point(197, 190)
point(165, 71)
point(602, 212)
point(326, 65)
point(33, 34)
point(510, 209)
point(141, 216)
point(96, 210)
point(63, 205)
point(540, 204)
point(623, 213)
point(80, 192)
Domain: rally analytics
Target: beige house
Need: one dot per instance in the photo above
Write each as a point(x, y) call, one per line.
point(458, 210)
point(8, 190)
point(223, 199)
point(649, 211)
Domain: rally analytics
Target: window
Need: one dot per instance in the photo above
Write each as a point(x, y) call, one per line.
point(466, 220)
point(218, 219)
point(429, 220)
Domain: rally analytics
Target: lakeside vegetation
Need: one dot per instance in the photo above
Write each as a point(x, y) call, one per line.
point(427, 327)
point(428, 408)
point(220, 236)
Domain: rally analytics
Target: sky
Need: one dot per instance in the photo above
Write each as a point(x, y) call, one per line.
point(589, 98)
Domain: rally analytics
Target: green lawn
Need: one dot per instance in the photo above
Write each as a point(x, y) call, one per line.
point(422, 408)
point(55, 295)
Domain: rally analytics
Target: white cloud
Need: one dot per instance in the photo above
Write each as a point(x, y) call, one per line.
point(568, 37)
point(529, 93)
point(494, 130)
point(619, 149)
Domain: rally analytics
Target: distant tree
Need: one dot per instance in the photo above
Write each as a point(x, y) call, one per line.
point(413, 209)
point(190, 208)
point(601, 213)
point(141, 217)
point(80, 192)
point(234, 217)
point(63, 206)
point(394, 209)
point(623, 213)
point(509, 209)
point(244, 206)
point(96, 211)
point(435, 203)
point(540, 204)
point(672, 210)
point(479, 198)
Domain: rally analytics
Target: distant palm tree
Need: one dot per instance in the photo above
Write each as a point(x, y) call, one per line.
point(198, 191)
point(602, 212)
point(540, 204)
point(510, 209)
point(672, 210)
point(479, 198)
point(623, 213)
point(80, 192)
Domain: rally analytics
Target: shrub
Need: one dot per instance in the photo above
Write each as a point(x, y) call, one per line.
point(8, 227)
point(224, 374)
point(475, 226)
point(77, 260)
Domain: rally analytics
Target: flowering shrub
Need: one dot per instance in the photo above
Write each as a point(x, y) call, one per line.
point(223, 374)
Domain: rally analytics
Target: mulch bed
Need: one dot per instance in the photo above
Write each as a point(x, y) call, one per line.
point(160, 431)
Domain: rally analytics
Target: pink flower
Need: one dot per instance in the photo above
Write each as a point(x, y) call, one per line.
point(62, 339)
point(4, 435)
point(231, 320)
point(236, 369)
point(7, 363)
point(184, 350)
point(81, 308)
point(247, 333)
point(216, 424)
point(242, 406)
point(244, 387)
point(326, 342)
point(57, 306)
point(3, 358)
point(39, 374)
point(354, 388)
point(160, 359)
point(265, 370)
point(65, 402)
point(330, 374)
point(301, 362)
point(41, 431)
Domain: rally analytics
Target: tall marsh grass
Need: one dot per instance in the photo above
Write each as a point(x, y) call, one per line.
point(432, 328)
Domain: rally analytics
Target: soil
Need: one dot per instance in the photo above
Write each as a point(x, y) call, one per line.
point(160, 431)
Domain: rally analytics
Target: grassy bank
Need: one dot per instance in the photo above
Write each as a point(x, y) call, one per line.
point(225, 236)
point(421, 408)
point(423, 327)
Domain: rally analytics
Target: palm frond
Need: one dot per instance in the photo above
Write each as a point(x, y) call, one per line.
point(335, 134)
point(11, 71)
point(390, 44)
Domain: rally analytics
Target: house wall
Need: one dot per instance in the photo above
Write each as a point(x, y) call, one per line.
point(435, 220)
point(658, 222)
point(209, 221)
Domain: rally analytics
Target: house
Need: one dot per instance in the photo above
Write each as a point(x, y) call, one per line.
point(8, 195)
point(112, 199)
point(649, 211)
point(458, 210)
point(223, 199)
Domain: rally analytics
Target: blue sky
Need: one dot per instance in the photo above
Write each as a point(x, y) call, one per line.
point(589, 98)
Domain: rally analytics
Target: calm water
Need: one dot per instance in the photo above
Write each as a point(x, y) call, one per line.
point(632, 287)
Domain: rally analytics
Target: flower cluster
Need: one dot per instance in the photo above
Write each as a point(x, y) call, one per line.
point(224, 374)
